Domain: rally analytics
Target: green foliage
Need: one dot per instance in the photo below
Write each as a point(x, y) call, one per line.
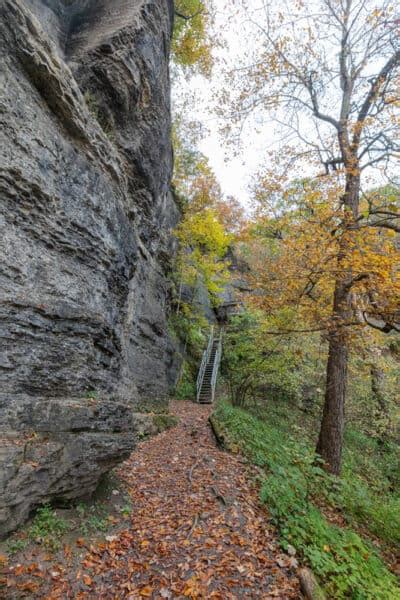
point(377, 462)
point(348, 566)
point(163, 422)
point(94, 518)
point(186, 388)
point(190, 326)
point(47, 527)
point(16, 545)
point(258, 366)
point(126, 510)
point(369, 493)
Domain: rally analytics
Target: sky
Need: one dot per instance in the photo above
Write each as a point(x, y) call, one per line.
point(235, 171)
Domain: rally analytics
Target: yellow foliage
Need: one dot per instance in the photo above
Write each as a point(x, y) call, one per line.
point(193, 177)
point(191, 43)
point(204, 243)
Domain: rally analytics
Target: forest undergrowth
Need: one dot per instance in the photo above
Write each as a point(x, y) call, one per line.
point(346, 529)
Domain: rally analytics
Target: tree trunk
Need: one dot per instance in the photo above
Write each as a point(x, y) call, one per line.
point(330, 441)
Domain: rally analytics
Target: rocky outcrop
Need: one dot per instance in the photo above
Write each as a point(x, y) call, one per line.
point(85, 239)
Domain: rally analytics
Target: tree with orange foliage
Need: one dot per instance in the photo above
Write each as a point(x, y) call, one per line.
point(329, 74)
point(296, 257)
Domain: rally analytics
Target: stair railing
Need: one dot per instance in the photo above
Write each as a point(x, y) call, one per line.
point(217, 361)
point(204, 361)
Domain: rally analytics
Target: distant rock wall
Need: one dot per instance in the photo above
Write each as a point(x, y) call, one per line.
point(86, 216)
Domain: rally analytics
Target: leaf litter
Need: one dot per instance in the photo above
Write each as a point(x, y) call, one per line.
point(197, 531)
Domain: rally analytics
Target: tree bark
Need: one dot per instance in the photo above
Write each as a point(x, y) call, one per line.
point(330, 440)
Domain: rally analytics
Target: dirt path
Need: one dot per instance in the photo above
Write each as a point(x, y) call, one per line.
point(197, 530)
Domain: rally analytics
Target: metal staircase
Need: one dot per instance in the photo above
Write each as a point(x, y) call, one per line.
point(208, 372)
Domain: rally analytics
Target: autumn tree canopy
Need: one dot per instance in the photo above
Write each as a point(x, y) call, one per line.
point(328, 74)
point(191, 43)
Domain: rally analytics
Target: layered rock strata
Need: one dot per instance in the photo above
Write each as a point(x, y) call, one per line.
point(86, 217)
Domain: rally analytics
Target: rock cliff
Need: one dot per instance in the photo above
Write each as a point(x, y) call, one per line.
point(85, 238)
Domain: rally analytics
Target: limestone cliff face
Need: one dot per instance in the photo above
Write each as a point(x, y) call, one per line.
point(85, 238)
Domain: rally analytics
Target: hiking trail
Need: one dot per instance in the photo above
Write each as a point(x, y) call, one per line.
point(197, 528)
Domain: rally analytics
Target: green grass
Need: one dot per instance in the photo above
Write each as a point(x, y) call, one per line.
point(126, 510)
point(15, 546)
point(94, 518)
point(47, 528)
point(368, 493)
point(346, 565)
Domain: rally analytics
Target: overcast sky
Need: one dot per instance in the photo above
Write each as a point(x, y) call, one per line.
point(234, 173)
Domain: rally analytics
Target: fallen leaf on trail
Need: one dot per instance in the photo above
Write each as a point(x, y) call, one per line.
point(282, 561)
point(28, 586)
point(146, 592)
